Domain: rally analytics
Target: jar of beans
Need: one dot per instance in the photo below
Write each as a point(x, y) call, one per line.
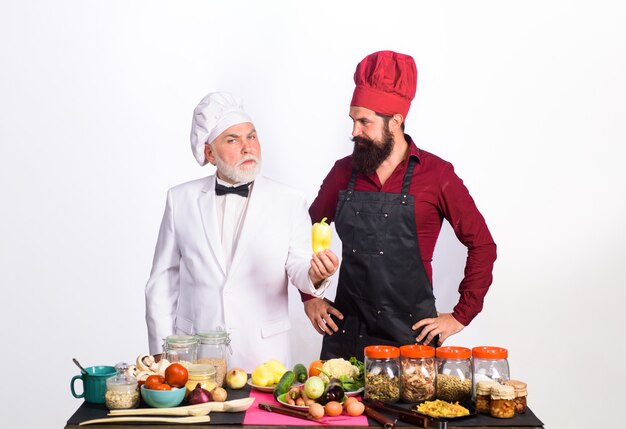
point(454, 374)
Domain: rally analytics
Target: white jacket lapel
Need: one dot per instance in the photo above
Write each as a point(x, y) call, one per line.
point(207, 205)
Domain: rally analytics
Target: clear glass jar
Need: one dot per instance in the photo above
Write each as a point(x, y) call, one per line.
point(454, 374)
point(121, 390)
point(203, 374)
point(521, 392)
point(483, 396)
point(382, 373)
point(502, 401)
point(214, 349)
point(181, 348)
point(489, 364)
point(417, 368)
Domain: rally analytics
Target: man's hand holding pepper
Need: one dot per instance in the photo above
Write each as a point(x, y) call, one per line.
point(323, 265)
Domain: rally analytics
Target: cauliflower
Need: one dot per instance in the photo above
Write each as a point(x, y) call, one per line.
point(338, 367)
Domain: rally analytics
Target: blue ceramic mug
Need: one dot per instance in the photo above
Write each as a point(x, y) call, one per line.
point(94, 383)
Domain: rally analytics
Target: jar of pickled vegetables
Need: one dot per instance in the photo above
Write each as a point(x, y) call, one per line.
point(521, 392)
point(502, 401)
point(483, 396)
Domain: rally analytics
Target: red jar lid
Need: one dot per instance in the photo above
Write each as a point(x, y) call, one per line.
point(417, 351)
point(452, 352)
point(381, 352)
point(489, 352)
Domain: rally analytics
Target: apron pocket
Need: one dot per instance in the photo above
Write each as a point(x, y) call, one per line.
point(393, 326)
point(369, 233)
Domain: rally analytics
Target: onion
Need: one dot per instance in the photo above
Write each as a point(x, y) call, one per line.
point(199, 395)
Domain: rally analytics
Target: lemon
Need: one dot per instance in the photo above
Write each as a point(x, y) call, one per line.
point(276, 368)
point(262, 375)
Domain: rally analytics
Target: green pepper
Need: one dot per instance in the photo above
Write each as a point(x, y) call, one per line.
point(321, 235)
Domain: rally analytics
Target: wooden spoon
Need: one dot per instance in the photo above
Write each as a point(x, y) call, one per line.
point(194, 419)
point(233, 406)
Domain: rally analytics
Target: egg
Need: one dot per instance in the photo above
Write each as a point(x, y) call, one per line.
point(333, 408)
point(348, 401)
point(355, 408)
point(316, 410)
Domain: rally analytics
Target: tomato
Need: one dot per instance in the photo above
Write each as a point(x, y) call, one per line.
point(176, 375)
point(161, 386)
point(154, 380)
point(314, 368)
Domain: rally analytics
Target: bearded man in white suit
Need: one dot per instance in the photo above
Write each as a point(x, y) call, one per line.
point(230, 243)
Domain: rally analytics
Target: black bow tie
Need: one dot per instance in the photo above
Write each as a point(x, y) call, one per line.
point(242, 190)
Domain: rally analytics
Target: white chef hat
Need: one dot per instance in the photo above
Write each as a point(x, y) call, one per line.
point(215, 113)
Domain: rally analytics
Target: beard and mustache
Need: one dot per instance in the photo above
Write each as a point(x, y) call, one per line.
point(369, 154)
point(236, 173)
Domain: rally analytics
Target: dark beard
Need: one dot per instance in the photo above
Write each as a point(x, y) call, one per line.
point(368, 155)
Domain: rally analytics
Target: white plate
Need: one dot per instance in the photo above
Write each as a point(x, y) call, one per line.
point(261, 388)
point(355, 392)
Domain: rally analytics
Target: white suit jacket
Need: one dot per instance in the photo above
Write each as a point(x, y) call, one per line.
point(189, 290)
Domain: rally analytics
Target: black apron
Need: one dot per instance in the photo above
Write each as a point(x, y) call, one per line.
point(383, 287)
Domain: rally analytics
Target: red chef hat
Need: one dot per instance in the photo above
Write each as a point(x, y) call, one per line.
point(385, 83)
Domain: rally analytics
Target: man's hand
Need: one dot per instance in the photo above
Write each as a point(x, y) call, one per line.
point(318, 311)
point(323, 265)
point(443, 325)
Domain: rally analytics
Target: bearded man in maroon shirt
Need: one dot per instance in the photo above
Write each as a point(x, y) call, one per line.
point(388, 201)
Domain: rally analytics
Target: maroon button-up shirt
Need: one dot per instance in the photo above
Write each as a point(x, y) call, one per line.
point(439, 193)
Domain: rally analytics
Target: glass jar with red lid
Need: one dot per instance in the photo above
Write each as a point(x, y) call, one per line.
point(418, 373)
point(454, 374)
point(489, 363)
point(382, 373)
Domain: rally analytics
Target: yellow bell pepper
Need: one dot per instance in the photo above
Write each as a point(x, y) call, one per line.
point(321, 236)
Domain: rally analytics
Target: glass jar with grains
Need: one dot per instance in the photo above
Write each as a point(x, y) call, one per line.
point(489, 363)
point(121, 390)
point(417, 368)
point(214, 349)
point(502, 401)
point(521, 392)
point(483, 396)
point(203, 374)
point(454, 374)
point(382, 373)
point(181, 348)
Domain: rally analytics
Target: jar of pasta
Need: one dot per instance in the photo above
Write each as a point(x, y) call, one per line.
point(502, 401)
point(454, 374)
point(181, 348)
point(214, 349)
point(489, 363)
point(483, 396)
point(382, 373)
point(417, 368)
point(203, 374)
point(520, 395)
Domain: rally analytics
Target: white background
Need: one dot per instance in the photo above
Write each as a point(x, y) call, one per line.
point(526, 99)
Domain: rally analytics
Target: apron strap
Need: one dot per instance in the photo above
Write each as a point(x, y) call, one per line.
point(406, 183)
